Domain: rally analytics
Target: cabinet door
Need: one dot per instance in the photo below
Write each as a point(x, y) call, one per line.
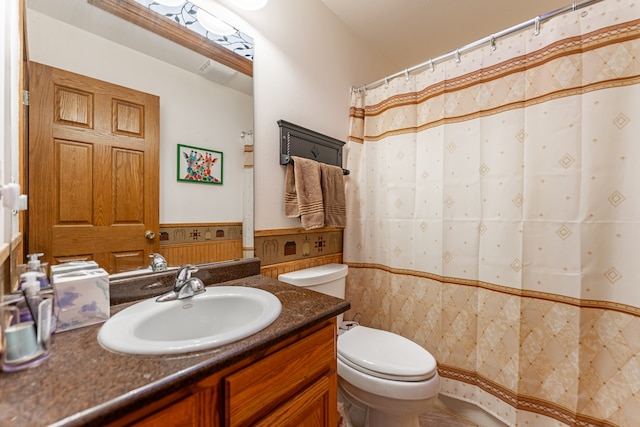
point(254, 392)
point(310, 408)
point(199, 409)
point(180, 414)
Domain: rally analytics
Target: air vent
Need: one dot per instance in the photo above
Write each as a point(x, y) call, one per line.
point(206, 66)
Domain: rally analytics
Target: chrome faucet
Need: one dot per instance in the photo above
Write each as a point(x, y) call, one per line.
point(158, 263)
point(185, 286)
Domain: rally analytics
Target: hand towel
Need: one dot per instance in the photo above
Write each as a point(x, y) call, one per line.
point(303, 194)
point(333, 197)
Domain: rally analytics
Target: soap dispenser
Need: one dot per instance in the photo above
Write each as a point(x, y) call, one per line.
point(34, 265)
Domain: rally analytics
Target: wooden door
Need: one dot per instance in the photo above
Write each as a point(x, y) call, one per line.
point(93, 170)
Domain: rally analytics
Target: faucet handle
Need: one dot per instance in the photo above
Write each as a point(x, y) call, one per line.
point(185, 286)
point(184, 273)
point(158, 263)
point(192, 286)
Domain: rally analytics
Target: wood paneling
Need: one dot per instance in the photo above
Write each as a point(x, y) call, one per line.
point(283, 246)
point(276, 269)
point(287, 231)
point(308, 409)
point(74, 169)
point(5, 269)
point(202, 252)
point(292, 383)
point(257, 390)
point(128, 186)
point(73, 107)
point(10, 257)
point(180, 413)
point(128, 118)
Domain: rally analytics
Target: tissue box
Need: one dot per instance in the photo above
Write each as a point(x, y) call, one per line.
point(81, 298)
point(71, 266)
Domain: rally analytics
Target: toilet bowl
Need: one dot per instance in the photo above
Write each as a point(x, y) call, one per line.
point(384, 379)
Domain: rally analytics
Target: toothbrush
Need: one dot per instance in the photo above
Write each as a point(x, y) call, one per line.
point(31, 312)
point(44, 322)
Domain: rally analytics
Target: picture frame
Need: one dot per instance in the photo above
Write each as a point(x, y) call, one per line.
point(196, 164)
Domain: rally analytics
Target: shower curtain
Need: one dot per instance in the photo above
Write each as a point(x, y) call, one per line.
point(494, 218)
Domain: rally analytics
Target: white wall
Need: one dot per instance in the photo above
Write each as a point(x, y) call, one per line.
point(305, 63)
point(190, 113)
point(5, 120)
point(10, 51)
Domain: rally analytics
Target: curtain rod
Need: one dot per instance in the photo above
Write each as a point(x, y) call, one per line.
point(535, 22)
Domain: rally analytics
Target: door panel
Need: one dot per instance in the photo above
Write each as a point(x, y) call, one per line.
point(93, 170)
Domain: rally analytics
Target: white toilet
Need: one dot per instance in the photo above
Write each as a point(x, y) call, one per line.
point(384, 379)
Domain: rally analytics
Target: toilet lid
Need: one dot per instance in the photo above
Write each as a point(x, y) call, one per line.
point(385, 355)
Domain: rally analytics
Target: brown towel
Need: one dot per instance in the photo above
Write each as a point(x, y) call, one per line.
point(302, 193)
point(332, 183)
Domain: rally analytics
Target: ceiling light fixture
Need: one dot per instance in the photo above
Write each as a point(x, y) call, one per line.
point(214, 24)
point(250, 4)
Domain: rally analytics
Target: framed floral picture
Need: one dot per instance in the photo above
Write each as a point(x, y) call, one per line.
point(199, 165)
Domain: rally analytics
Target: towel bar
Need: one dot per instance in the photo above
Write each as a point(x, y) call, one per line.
point(298, 141)
point(344, 171)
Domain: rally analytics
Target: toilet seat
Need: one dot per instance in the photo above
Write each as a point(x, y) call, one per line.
point(385, 355)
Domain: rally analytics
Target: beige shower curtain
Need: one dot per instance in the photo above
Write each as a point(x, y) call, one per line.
point(494, 218)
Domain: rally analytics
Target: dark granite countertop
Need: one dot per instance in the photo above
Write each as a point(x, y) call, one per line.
point(84, 384)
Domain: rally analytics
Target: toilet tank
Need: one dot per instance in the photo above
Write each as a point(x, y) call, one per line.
point(328, 279)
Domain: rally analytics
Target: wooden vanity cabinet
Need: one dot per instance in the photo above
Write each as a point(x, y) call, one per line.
point(291, 384)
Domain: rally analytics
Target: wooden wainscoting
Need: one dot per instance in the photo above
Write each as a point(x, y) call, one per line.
point(203, 252)
point(200, 243)
point(276, 269)
point(10, 257)
point(284, 250)
point(5, 268)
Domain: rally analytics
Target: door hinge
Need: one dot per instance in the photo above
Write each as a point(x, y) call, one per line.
point(25, 97)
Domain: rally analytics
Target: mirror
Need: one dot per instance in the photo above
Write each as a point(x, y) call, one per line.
point(202, 103)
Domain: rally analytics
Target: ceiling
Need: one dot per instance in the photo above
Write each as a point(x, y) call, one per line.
point(409, 32)
point(403, 33)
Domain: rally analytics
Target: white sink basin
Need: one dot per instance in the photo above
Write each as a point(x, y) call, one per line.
point(221, 315)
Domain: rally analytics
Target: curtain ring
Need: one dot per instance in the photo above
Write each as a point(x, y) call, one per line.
point(458, 56)
point(574, 6)
point(386, 83)
point(492, 42)
point(536, 23)
point(431, 65)
point(406, 75)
